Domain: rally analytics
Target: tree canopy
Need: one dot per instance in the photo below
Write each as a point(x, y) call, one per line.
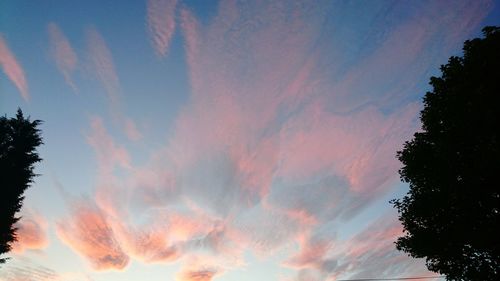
point(19, 138)
point(451, 213)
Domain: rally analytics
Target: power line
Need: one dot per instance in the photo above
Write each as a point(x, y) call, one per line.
point(402, 278)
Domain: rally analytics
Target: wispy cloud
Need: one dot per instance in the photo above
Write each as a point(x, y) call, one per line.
point(13, 69)
point(197, 275)
point(89, 233)
point(371, 252)
point(161, 23)
point(311, 254)
point(273, 149)
point(23, 269)
point(102, 66)
point(101, 63)
point(31, 233)
point(62, 53)
point(27, 270)
point(198, 268)
point(109, 153)
point(131, 130)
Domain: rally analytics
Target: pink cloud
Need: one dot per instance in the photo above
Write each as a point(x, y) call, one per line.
point(311, 254)
point(161, 23)
point(235, 125)
point(259, 157)
point(109, 154)
point(198, 268)
point(359, 147)
point(131, 130)
point(101, 62)
point(89, 233)
point(13, 69)
point(63, 54)
point(163, 240)
point(197, 275)
point(190, 30)
point(150, 245)
point(422, 41)
point(102, 66)
point(371, 252)
point(31, 234)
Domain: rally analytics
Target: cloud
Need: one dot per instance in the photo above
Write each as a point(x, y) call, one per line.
point(310, 255)
point(88, 232)
point(62, 53)
point(31, 233)
point(256, 115)
point(165, 238)
point(131, 130)
point(197, 275)
point(13, 69)
point(272, 150)
point(102, 66)
point(23, 269)
point(109, 154)
point(23, 273)
point(101, 62)
point(358, 148)
point(198, 268)
point(151, 246)
point(161, 24)
point(371, 252)
point(424, 40)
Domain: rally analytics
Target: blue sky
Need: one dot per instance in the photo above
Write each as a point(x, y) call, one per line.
point(230, 140)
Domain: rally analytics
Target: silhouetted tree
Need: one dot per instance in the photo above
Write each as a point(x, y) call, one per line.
point(451, 214)
point(19, 138)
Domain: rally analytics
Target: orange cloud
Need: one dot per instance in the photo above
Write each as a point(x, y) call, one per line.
point(165, 239)
point(150, 245)
point(88, 232)
point(31, 234)
point(198, 268)
point(197, 275)
point(13, 69)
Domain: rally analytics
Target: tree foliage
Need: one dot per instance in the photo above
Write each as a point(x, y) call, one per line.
point(19, 138)
point(451, 213)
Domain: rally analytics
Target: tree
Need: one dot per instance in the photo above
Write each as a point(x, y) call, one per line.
point(19, 138)
point(451, 213)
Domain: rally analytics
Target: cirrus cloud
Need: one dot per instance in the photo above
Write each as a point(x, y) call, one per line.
point(13, 69)
point(89, 233)
point(31, 233)
point(270, 151)
point(63, 54)
point(161, 23)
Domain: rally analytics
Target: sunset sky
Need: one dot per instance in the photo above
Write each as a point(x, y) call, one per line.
point(221, 140)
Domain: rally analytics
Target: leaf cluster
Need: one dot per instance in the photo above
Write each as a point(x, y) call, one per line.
point(451, 215)
point(19, 138)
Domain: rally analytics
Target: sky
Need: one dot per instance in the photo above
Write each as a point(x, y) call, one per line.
point(221, 140)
